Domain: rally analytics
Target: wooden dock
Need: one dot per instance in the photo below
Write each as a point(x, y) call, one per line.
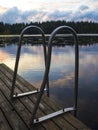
point(16, 115)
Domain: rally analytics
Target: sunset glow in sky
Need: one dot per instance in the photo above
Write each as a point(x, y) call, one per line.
point(12, 11)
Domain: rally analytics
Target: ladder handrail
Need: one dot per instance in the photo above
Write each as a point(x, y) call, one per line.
point(48, 62)
point(18, 55)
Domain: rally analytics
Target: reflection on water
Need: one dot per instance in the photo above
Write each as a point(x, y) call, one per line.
point(31, 67)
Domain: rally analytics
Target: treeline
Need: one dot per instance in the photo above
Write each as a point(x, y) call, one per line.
point(49, 26)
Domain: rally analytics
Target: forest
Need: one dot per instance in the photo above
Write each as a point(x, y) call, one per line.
point(49, 26)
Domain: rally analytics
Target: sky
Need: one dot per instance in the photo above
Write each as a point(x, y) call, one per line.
point(18, 11)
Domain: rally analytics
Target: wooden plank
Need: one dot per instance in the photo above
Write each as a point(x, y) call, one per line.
point(24, 116)
point(17, 105)
point(3, 122)
point(30, 105)
point(76, 123)
point(66, 121)
point(59, 121)
point(14, 120)
point(27, 85)
point(68, 117)
point(49, 124)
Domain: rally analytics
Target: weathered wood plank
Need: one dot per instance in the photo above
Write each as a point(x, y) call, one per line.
point(14, 120)
point(59, 121)
point(3, 122)
point(68, 117)
point(17, 105)
point(19, 80)
point(28, 103)
point(64, 122)
point(75, 122)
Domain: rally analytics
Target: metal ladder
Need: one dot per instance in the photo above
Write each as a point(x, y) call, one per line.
point(12, 95)
point(45, 78)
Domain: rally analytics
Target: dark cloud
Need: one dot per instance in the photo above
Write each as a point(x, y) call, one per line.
point(83, 7)
point(14, 15)
point(88, 15)
point(91, 15)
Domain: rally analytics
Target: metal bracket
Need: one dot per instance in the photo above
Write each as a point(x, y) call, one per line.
point(27, 93)
point(52, 115)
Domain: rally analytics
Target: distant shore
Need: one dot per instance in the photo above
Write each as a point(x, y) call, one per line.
point(47, 35)
point(60, 39)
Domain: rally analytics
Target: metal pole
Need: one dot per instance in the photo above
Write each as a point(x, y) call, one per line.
point(18, 54)
point(76, 74)
point(46, 74)
point(45, 58)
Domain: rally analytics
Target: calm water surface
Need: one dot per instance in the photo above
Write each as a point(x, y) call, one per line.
point(31, 67)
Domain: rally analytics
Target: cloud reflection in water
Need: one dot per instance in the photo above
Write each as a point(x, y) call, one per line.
point(31, 67)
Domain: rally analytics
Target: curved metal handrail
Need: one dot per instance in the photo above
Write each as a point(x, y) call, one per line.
point(33, 120)
point(18, 55)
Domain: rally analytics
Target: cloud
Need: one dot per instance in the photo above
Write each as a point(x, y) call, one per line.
point(14, 15)
point(2, 9)
point(83, 7)
point(11, 15)
point(85, 15)
point(82, 13)
point(59, 15)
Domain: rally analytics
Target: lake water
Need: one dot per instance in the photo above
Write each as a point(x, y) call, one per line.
point(31, 67)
